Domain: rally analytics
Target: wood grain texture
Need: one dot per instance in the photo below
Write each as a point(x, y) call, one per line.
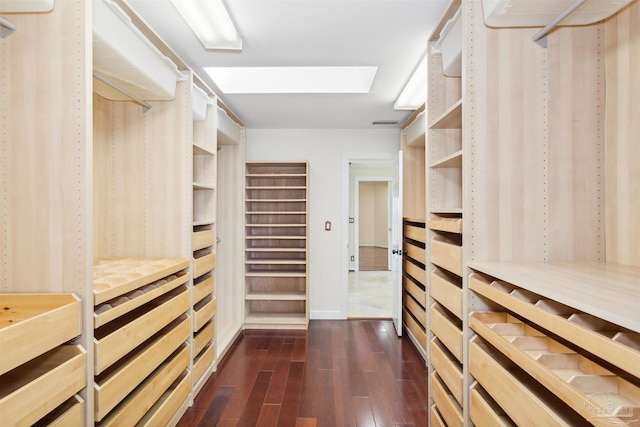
point(336, 373)
point(622, 130)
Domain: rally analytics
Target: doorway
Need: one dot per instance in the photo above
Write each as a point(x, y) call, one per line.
point(370, 280)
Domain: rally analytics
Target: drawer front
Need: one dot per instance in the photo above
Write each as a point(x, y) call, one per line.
point(436, 420)
point(415, 252)
point(508, 390)
point(202, 239)
point(204, 265)
point(202, 362)
point(483, 414)
point(415, 328)
point(419, 312)
point(110, 391)
point(32, 389)
point(203, 289)
point(167, 406)
point(69, 414)
point(449, 370)
point(449, 410)
point(448, 333)
point(203, 337)
point(204, 314)
point(447, 256)
point(446, 293)
point(117, 344)
point(414, 271)
point(419, 234)
point(415, 291)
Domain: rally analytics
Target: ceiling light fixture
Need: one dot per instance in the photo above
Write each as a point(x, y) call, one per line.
point(414, 93)
point(280, 80)
point(211, 22)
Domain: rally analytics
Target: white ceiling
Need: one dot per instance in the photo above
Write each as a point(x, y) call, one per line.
point(389, 34)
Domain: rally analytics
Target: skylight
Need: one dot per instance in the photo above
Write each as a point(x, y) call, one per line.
point(237, 80)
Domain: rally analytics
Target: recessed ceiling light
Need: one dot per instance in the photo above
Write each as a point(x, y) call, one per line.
point(237, 80)
point(210, 21)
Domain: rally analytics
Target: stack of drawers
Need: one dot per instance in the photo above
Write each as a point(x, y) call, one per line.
point(38, 369)
point(141, 351)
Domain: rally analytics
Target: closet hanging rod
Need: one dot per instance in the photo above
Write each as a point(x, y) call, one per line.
point(541, 36)
point(145, 105)
point(6, 27)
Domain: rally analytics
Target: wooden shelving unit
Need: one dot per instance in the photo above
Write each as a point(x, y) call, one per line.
point(39, 369)
point(445, 260)
point(276, 249)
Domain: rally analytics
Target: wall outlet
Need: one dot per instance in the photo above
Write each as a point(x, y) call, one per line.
point(353, 258)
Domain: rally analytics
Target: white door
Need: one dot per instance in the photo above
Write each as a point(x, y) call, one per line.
point(396, 245)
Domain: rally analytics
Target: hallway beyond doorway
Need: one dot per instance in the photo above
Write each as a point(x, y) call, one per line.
point(370, 294)
point(373, 258)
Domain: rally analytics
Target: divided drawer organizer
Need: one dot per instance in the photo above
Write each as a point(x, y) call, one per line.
point(39, 378)
point(141, 350)
point(553, 355)
point(276, 269)
point(414, 297)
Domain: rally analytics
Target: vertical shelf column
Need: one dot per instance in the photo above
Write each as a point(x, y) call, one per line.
point(444, 154)
point(276, 250)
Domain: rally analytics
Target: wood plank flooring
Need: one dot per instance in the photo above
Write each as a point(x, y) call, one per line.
point(373, 258)
point(338, 373)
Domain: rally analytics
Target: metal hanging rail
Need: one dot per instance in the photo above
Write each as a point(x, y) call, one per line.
point(145, 105)
point(6, 27)
point(541, 36)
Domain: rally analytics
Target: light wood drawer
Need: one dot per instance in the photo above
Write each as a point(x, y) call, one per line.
point(203, 337)
point(53, 318)
point(170, 402)
point(134, 407)
point(69, 414)
point(143, 296)
point(202, 362)
point(28, 392)
point(117, 338)
point(446, 292)
point(436, 419)
point(204, 264)
point(448, 224)
point(484, 412)
point(415, 328)
point(413, 232)
point(448, 408)
point(419, 312)
point(620, 348)
point(112, 387)
point(202, 239)
point(202, 289)
point(447, 332)
point(446, 253)
point(448, 368)
point(415, 252)
point(509, 386)
point(415, 291)
point(204, 311)
point(418, 273)
point(113, 277)
point(584, 385)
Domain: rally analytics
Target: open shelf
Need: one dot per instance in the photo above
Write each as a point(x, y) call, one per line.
point(450, 119)
point(453, 160)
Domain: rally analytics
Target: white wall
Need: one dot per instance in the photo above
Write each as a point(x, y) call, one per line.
point(325, 151)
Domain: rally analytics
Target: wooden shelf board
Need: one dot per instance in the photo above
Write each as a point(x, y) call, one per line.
point(199, 149)
point(289, 319)
point(446, 210)
point(275, 274)
point(450, 119)
point(276, 296)
point(275, 200)
point(275, 175)
point(276, 187)
point(276, 212)
point(453, 160)
point(275, 250)
point(605, 290)
point(201, 186)
point(276, 225)
point(276, 237)
point(275, 262)
point(113, 277)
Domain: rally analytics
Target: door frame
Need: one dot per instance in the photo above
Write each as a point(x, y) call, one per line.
point(348, 158)
point(356, 215)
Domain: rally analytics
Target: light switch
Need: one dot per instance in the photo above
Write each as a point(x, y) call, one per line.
point(327, 226)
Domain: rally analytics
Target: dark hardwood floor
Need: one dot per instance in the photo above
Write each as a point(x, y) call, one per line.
point(373, 258)
point(338, 373)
